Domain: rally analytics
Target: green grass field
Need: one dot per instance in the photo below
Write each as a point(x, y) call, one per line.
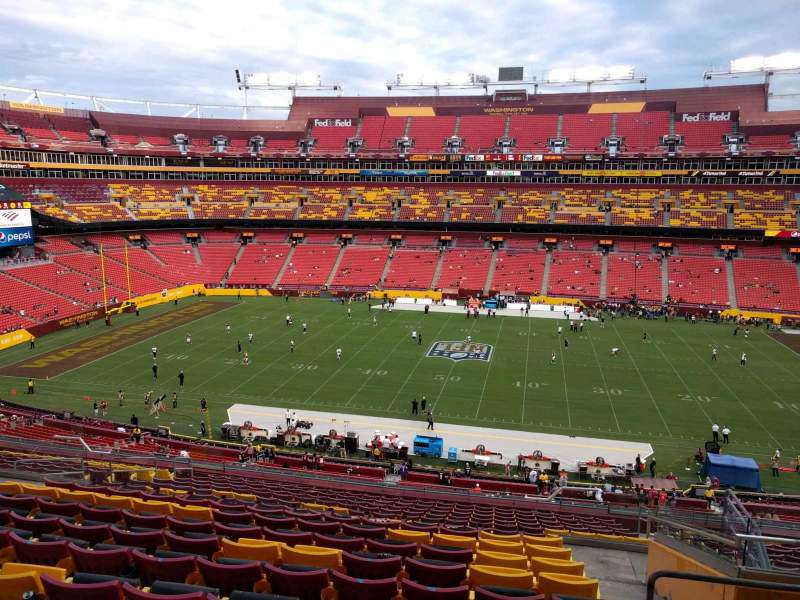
point(665, 391)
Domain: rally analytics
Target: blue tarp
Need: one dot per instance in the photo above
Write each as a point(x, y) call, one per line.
point(733, 470)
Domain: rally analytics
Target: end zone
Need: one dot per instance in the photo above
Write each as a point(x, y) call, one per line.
point(66, 358)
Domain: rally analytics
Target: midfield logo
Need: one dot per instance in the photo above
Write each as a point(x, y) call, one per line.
point(460, 350)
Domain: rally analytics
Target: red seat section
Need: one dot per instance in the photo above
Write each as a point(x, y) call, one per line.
point(766, 284)
point(575, 274)
point(360, 268)
point(259, 264)
point(411, 269)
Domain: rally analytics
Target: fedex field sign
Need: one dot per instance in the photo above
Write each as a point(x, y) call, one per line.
point(703, 117)
point(333, 122)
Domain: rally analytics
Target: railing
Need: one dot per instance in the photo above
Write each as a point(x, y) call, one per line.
point(736, 581)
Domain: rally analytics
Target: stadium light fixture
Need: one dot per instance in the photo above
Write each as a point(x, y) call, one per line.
point(766, 67)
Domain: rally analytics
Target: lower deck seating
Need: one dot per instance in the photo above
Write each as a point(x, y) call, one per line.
point(574, 273)
point(630, 274)
point(411, 269)
point(766, 284)
point(698, 280)
point(360, 267)
point(518, 272)
point(464, 269)
point(259, 264)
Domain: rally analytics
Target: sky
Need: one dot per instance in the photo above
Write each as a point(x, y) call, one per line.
point(187, 50)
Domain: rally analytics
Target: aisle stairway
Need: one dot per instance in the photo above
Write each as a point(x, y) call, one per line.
point(604, 277)
point(386, 268)
point(490, 275)
point(286, 264)
point(731, 284)
point(546, 275)
point(664, 278)
point(335, 268)
point(233, 264)
point(438, 271)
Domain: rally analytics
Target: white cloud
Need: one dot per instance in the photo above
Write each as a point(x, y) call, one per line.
point(187, 49)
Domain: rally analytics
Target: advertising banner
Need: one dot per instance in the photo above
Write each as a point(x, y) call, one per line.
point(706, 117)
point(331, 122)
point(13, 166)
point(783, 233)
point(9, 340)
point(16, 227)
point(394, 172)
point(734, 173)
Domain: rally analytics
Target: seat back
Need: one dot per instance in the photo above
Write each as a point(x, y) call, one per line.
point(61, 590)
point(312, 556)
point(417, 591)
point(152, 568)
point(93, 534)
point(436, 572)
point(371, 568)
point(500, 576)
point(132, 593)
point(14, 586)
point(350, 588)
point(342, 542)
point(493, 592)
point(501, 559)
point(455, 541)
point(569, 585)
point(303, 584)
point(555, 565)
point(149, 540)
point(38, 553)
point(206, 546)
point(264, 551)
point(230, 577)
point(104, 562)
point(548, 552)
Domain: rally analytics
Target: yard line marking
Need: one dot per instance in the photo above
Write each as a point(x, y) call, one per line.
point(218, 355)
point(685, 385)
point(416, 366)
point(380, 364)
point(489, 369)
point(450, 372)
point(317, 357)
point(733, 394)
point(564, 377)
point(347, 361)
point(762, 353)
point(276, 359)
point(647, 387)
point(527, 357)
point(176, 342)
point(147, 340)
point(605, 382)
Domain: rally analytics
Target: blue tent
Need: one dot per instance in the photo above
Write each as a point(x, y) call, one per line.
point(733, 470)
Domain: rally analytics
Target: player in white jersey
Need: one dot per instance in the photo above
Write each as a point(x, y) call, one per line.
point(250, 337)
point(246, 359)
point(188, 338)
point(743, 359)
point(614, 351)
point(714, 353)
point(338, 354)
point(291, 345)
point(227, 327)
point(305, 326)
point(154, 350)
point(552, 358)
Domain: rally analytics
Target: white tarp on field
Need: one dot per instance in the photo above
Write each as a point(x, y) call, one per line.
point(569, 450)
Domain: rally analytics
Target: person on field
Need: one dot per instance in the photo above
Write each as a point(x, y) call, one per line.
point(291, 346)
point(246, 359)
point(120, 397)
point(33, 343)
point(239, 346)
point(726, 433)
point(134, 420)
point(715, 432)
point(188, 338)
point(155, 371)
point(552, 358)
point(154, 351)
point(31, 389)
point(615, 351)
point(566, 343)
point(653, 467)
point(414, 407)
point(174, 400)
point(743, 359)
point(250, 338)
point(181, 377)
point(148, 398)
point(95, 409)
point(305, 327)
point(424, 402)
point(227, 327)
point(429, 413)
point(203, 405)
point(338, 354)
point(419, 339)
point(714, 353)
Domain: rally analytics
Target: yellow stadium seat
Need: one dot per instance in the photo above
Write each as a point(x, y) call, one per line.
point(500, 576)
point(10, 487)
point(548, 552)
point(163, 474)
point(250, 549)
point(407, 535)
point(199, 513)
point(555, 541)
point(485, 535)
point(145, 475)
point(458, 541)
point(13, 586)
point(312, 556)
point(152, 506)
point(39, 490)
point(500, 559)
point(245, 497)
point(555, 565)
point(498, 546)
point(568, 585)
point(121, 502)
point(75, 496)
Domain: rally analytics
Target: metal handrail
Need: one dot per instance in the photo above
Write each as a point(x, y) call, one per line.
point(737, 581)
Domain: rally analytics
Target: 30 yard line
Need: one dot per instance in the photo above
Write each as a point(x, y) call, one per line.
point(647, 387)
point(605, 382)
point(489, 369)
point(724, 383)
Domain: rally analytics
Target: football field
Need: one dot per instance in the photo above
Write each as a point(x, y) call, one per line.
point(664, 390)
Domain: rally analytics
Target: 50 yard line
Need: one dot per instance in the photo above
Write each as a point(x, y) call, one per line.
point(525, 382)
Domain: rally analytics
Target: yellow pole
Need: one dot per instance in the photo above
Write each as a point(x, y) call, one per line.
point(127, 269)
point(103, 275)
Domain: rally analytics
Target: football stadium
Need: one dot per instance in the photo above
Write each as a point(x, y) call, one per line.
point(513, 337)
